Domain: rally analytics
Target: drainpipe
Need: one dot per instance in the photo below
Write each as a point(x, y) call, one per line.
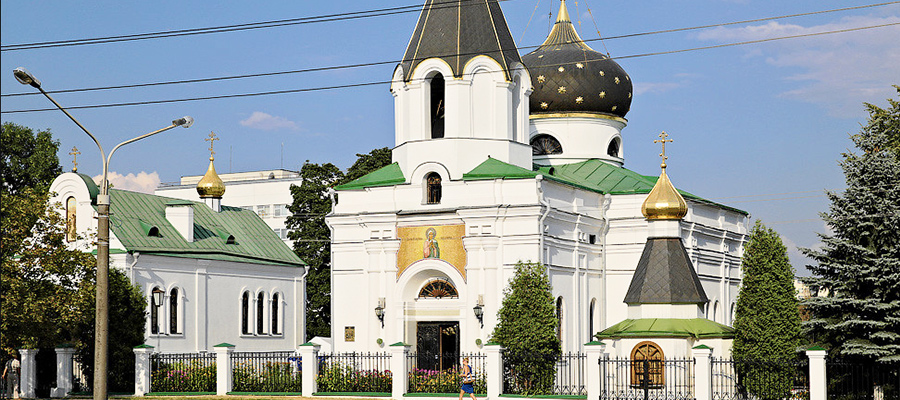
point(134, 257)
point(540, 192)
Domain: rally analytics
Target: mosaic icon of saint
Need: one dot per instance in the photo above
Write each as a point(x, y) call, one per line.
point(431, 249)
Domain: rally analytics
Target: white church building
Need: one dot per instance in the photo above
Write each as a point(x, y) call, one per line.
point(500, 158)
point(211, 273)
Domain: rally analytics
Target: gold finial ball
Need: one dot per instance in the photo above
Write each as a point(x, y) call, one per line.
point(211, 185)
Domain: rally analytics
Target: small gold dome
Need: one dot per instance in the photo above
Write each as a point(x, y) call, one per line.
point(664, 202)
point(211, 185)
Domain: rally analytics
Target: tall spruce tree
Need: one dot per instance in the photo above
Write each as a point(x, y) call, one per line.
point(526, 327)
point(857, 270)
point(767, 319)
point(311, 236)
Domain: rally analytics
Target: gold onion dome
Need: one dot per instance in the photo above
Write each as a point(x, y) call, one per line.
point(211, 185)
point(664, 202)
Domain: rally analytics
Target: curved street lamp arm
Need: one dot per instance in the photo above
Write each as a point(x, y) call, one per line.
point(97, 142)
point(109, 157)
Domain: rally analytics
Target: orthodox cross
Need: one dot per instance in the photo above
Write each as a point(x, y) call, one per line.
point(212, 140)
point(663, 140)
point(74, 153)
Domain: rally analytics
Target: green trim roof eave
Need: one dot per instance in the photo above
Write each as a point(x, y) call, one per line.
point(388, 175)
point(700, 328)
point(215, 256)
point(494, 169)
point(92, 187)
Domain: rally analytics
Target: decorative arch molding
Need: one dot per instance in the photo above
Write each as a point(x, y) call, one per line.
point(421, 171)
point(438, 288)
point(483, 65)
point(416, 275)
point(428, 68)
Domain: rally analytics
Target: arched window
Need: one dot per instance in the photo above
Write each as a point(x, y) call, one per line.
point(545, 144)
point(613, 149)
point(559, 318)
point(437, 106)
point(245, 313)
point(715, 312)
point(71, 228)
point(591, 317)
point(154, 312)
point(438, 288)
point(433, 188)
point(173, 311)
point(647, 365)
point(275, 328)
point(260, 313)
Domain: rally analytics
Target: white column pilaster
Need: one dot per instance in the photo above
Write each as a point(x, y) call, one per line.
point(309, 354)
point(594, 351)
point(399, 369)
point(28, 373)
point(818, 384)
point(63, 372)
point(702, 373)
point(494, 366)
point(142, 369)
point(224, 377)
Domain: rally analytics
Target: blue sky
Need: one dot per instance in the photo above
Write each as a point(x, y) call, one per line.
point(759, 127)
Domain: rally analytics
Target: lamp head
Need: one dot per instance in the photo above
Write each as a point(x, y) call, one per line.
point(26, 78)
point(157, 296)
point(479, 311)
point(185, 121)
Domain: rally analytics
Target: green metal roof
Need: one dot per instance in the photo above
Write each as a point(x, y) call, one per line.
point(133, 215)
point(493, 168)
point(388, 175)
point(700, 328)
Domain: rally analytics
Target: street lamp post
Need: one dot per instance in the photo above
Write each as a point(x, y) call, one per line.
point(101, 328)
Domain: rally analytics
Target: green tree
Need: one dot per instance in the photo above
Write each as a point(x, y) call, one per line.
point(857, 270)
point(311, 236)
point(527, 328)
point(127, 308)
point(767, 319)
point(40, 274)
point(27, 159)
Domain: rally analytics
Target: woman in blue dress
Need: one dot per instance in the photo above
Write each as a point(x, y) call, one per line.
point(468, 379)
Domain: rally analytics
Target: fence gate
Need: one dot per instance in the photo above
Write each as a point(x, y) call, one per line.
point(627, 379)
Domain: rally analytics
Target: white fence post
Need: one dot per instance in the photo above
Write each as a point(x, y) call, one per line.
point(224, 378)
point(28, 373)
point(494, 366)
point(818, 383)
point(309, 353)
point(702, 373)
point(142, 369)
point(399, 369)
point(594, 351)
point(63, 372)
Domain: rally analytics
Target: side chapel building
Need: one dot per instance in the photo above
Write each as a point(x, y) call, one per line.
point(498, 159)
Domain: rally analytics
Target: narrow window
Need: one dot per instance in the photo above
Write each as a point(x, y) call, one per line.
point(71, 207)
point(260, 309)
point(154, 312)
point(437, 106)
point(275, 329)
point(591, 319)
point(245, 313)
point(559, 318)
point(173, 311)
point(647, 366)
point(613, 149)
point(433, 182)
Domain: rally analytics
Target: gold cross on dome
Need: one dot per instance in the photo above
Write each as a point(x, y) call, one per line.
point(212, 139)
point(74, 153)
point(662, 139)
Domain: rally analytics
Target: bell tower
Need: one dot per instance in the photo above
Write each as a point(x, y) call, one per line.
point(461, 91)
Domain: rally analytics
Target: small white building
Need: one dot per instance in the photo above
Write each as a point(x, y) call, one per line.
point(499, 159)
point(225, 276)
point(267, 193)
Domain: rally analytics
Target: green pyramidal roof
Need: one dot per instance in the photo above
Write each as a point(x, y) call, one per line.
point(493, 168)
point(700, 328)
point(388, 175)
point(135, 215)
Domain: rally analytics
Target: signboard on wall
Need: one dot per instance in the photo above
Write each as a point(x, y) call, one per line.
point(443, 242)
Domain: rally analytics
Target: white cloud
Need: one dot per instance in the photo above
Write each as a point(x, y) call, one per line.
point(266, 122)
point(837, 71)
point(142, 182)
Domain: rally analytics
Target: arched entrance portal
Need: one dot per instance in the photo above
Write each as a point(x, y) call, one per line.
point(437, 342)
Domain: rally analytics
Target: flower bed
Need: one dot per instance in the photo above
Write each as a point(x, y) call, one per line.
point(446, 381)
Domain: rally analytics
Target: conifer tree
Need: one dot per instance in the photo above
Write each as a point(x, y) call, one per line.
point(767, 319)
point(526, 327)
point(857, 270)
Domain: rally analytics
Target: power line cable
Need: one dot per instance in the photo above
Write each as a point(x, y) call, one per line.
point(376, 63)
point(320, 88)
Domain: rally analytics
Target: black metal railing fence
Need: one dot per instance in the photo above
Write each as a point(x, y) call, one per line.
point(275, 372)
point(426, 375)
point(531, 373)
point(738, 379)
point(182, 372)
point(354, 372)
point(622, 379)
point(862, 379)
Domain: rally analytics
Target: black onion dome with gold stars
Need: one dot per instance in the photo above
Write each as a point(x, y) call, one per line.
point(570, 77)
